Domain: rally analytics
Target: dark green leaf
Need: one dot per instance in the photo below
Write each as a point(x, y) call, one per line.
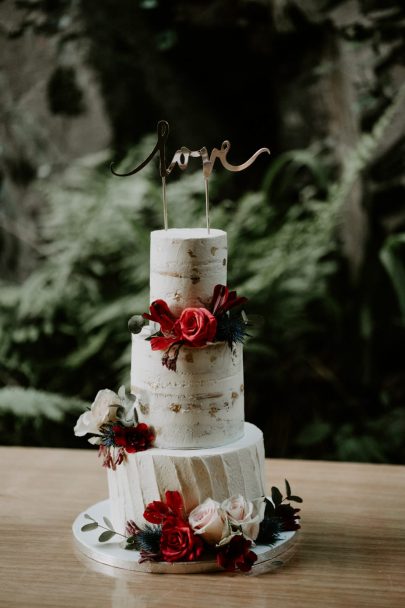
point(269, 510)
point(136, 418)
point(158, 334)
point(295, 499)
point(108, 523)
point(287, 488)
point(132, 543)
point(106, 536)
point(88, 527)
point(276, 496)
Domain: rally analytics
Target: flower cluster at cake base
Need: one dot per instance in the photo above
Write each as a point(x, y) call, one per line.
point(112, 422)
point(227, 532)
point(195, 327)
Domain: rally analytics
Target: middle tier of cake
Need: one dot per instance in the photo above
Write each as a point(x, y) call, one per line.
point(218, 473)
point(201, 404)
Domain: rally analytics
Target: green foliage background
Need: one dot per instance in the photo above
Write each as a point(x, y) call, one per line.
point(324, 363)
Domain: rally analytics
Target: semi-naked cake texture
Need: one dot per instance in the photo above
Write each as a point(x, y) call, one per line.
point(200, 404)
point(203, 447)
point(185, 266)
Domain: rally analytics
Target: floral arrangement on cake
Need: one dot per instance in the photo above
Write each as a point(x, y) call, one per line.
point(112, 422)
point(226, 531)
point(195, 327)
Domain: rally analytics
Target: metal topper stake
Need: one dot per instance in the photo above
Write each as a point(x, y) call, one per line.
point(181, 157)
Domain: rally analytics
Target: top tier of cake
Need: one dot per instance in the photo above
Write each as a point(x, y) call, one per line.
point(185, 266)
point(201, 404)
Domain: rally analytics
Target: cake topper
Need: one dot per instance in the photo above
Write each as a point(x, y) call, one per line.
point(181, 158)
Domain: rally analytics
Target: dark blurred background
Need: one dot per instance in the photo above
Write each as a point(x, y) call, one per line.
point(316, 233)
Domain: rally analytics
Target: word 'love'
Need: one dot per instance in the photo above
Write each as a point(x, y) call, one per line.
point(182, 156)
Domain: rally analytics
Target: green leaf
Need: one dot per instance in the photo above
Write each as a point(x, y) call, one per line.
point(287, 488)
point(269, 510)
point(136, 417)
point(88, 527)
point(295, 499)
point(87, 516)
point(132, 543)
point(104, 536)
point(276, 496)
point(108, 523)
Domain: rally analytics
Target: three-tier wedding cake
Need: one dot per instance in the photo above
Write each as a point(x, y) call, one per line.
point(203, 446)
point(185, 471)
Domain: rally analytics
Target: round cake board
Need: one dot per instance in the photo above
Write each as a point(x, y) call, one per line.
point(113, 554)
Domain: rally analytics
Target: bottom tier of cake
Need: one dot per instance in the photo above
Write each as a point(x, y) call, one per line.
point(218, 473)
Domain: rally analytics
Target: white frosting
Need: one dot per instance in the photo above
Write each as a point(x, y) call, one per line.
point(185, 266)
point(218, 473)
point(201, 404)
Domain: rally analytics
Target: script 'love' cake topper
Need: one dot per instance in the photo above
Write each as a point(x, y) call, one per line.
point(181, 158)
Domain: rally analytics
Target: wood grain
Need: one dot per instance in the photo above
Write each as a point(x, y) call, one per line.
point(351, 554)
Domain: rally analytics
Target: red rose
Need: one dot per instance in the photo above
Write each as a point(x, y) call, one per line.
point(178, 541)
point(161, 313)
point(157, 512)
point(198, 326)
point(133, 438)
point(236, 555)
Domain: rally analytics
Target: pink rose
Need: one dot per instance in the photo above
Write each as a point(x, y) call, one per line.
point(209, 520)
point(245, 514)
point(197, 325)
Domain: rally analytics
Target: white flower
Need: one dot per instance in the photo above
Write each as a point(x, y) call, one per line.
point(245, 514)
point(103, 410)
point(209, 520)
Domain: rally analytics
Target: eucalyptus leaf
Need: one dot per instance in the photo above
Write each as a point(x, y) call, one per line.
point(87, 516)
point(88, 527)
point(104, 536)
point(108, 523)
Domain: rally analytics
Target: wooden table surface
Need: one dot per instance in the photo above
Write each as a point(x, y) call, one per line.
point(351, 552)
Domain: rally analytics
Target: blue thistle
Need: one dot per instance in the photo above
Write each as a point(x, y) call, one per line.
point(146, 540)
point(107, 435)
point(231, 329)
